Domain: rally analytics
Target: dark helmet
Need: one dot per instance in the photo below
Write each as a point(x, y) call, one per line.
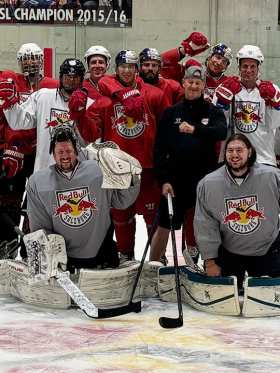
point(72, 66)
point(149, 54)
point(126, 56)
point(63, 133)
point(223, 50)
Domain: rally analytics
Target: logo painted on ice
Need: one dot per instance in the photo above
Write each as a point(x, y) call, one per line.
point(74, 206)
point(247, 116)
point(125, 125)
point(243, 214)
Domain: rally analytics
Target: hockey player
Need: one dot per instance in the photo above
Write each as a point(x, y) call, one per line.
point(128, 115)
point(150, 65)
point(237, 215)
point(218, 60)
point(17, 148)
point(185, 141)
point(97, 58)
point(45, 109)
point(255, 103)
point(67, 198)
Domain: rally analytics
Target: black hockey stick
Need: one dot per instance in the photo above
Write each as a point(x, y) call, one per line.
point(167, 322)
point(76, 294)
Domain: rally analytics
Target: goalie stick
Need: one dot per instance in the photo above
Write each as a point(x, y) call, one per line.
point(168, 322)
point(78, 296)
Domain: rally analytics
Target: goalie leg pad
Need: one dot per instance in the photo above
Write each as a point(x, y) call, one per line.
point(109, 287)
point(218, 295)
point(149, 279)
point(4, 277)
point(261, 297)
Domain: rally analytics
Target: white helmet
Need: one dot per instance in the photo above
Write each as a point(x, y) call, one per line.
point(250, 51)
point(30, 58)
point(100, 50)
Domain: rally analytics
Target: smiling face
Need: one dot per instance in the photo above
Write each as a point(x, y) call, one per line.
point(126, 73)
point(217, 64)
point(249, 70)
point(236, 156)
point(65, 156)
point(97, 66)
point(193, 88)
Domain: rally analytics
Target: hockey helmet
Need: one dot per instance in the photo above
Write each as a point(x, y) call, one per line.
point(250, 51)
point(98, 50)
point(126, 56)
point(150, 54)
point(72, 66)
point(63, 133)
point(223, 50)
point(30, 58)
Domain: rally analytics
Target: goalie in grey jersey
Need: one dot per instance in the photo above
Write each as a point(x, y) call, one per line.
point(70, 198)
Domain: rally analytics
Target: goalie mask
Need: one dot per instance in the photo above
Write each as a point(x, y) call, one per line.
point(30, 59)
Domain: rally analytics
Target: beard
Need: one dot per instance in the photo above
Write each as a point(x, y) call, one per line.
point(241, 169)
point(149, 78)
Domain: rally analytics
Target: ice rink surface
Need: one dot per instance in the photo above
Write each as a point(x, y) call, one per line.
point(37, 340)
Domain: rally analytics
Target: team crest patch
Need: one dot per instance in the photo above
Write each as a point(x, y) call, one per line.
point(57, 118)
point(247, 116)
point(74, 207)
point(243, 215)
point(125, 125)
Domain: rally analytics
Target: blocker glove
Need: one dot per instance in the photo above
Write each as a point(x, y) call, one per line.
point(227, 90)
point(77, 103)
point(195, 44)
point(269, 93)
point(12, 161)
point(132, 101)
point(8, 93)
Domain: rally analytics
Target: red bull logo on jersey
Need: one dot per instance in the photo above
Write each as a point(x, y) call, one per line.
point(74, 207)
point(243, 215)
point(125, 125)
point(57, 118)
point(247, 116)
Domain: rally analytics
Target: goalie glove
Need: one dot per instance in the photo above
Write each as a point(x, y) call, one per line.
point(269, 93)
point(8, 94)
point(132, 101)
point(46, 254)
point(77, 103)
point(226, 91)
point(12, 161)
point(196, 43)
point(119, 168)
point(94, 147)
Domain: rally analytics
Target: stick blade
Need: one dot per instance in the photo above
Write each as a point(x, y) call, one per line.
point(118, 311)
point(169, 323)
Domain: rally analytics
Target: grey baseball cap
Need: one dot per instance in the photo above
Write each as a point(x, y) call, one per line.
point(197, 72)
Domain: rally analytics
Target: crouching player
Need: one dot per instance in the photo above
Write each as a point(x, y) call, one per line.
point(69, 198)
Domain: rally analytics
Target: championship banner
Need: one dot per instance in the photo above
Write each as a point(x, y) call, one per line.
point(103, 13)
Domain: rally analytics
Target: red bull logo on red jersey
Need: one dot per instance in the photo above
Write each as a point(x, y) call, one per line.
point(247, 116)
point(74, 207)
point(243, 215)
point(126, 126)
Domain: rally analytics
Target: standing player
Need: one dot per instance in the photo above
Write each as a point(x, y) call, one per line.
point(45, 109)
point(256, 103)
point(17, 148)
point(97, 59)
point(128, 115)
point(150, 66)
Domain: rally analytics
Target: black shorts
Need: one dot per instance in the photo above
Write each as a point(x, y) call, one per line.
point(256, 266)
point(184, 199)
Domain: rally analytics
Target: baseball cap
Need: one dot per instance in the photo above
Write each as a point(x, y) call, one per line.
point(197, 72)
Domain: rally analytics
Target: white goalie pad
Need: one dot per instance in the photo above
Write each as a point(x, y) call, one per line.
point(45, 255)
point(261, 297)
point(15, 280)
point(117, 166)
point(149, 279)
point(4, 277)
point(218, 295)
point(109, 287)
